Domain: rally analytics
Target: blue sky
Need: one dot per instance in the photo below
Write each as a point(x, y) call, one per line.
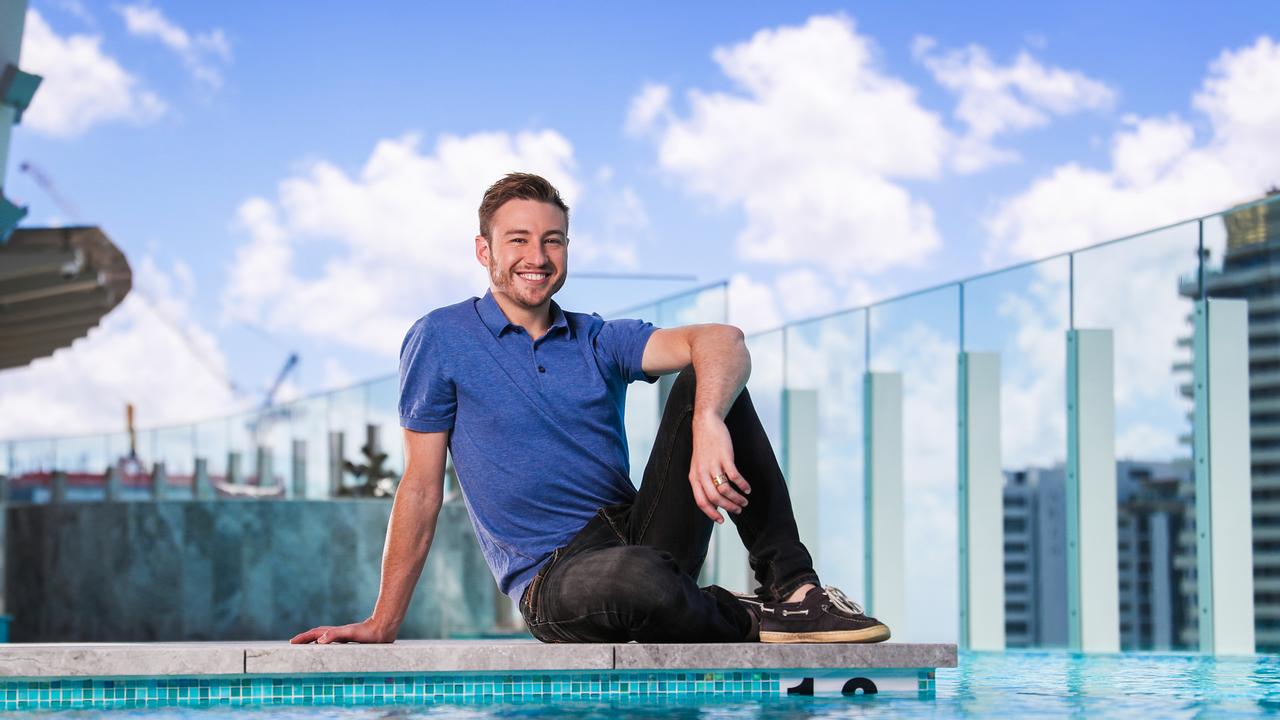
point(230, 100)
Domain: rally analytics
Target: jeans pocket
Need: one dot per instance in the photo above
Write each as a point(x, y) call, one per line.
point(531, 597)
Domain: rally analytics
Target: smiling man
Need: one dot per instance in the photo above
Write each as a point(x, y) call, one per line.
point(529, 399)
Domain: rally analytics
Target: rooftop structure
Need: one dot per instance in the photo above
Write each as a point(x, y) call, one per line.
point(55, 285)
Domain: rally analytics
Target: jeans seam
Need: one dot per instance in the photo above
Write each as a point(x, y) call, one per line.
point(557, 625)
point(666, 473)
point(608, 520)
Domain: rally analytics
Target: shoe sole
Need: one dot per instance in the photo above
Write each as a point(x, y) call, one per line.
point(873, 634)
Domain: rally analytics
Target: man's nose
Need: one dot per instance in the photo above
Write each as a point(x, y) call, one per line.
point(537, 254)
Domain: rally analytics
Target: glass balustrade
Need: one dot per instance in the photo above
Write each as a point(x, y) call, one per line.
point(1131, 301)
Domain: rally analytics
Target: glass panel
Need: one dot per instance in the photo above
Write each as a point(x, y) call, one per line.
point(32, 461)
point(382, 402)
point(704, 306)
point(827, 358)
point(1023, 315)
point(175, 447)
point(347, 416)
point(240, 440)
point(82, 455)
point(308, 422)
point(81, 458)
point(144, 441)
point(270, 432)
point(1132, 288)
point(918, 337)
point(1242, 252)
point(643, 410)
point(211, 444)
point(768, 363)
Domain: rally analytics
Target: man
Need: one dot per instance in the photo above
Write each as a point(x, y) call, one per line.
point(529, 399)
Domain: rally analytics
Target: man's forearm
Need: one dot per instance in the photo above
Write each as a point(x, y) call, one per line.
point(409, 534)
point(722, 365)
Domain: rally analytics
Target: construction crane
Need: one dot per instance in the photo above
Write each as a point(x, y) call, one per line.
point(42, 179)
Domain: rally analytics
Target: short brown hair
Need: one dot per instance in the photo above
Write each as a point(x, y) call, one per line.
point(518, 186)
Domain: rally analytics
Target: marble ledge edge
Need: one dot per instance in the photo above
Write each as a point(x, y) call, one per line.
point(252, 659)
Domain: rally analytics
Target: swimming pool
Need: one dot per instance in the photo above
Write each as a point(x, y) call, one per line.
point(1011, 684)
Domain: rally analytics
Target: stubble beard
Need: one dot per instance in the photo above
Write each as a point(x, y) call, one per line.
point(506, 283)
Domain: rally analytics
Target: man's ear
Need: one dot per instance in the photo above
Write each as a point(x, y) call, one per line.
point(482, 250)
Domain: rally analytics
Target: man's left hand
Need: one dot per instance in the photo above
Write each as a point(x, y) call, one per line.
point(712, 460)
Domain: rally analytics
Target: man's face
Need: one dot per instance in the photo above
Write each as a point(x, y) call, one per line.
point(527, 254)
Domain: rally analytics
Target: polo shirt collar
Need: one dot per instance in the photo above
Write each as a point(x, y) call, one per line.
point(497, 321)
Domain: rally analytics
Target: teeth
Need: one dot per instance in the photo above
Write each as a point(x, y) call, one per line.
point(533, 276)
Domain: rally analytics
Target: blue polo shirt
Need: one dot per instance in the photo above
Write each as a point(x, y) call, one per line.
point(537, 439)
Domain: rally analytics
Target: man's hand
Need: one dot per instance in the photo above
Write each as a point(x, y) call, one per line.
point(361, 632)
point(712, 457)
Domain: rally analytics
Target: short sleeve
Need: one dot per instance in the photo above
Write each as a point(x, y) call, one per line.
point(622, 344)
point(428, 398)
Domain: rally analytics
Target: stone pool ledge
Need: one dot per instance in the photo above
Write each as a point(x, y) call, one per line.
point(188, 660)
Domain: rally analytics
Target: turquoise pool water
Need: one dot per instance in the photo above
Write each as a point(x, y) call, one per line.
point(1014, 684)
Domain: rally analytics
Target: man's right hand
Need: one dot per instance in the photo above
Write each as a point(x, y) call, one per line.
point(361, 632)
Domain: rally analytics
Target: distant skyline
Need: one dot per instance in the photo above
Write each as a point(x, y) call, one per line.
point(286, 180)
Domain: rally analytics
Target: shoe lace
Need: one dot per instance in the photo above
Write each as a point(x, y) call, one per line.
point(840, 600)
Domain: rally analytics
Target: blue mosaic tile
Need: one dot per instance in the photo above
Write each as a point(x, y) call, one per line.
point(99, 693)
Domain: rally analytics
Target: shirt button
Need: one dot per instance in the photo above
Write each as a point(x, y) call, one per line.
point(541, 369)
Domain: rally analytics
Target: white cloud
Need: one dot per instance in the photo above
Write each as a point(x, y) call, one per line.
point(804, 293)
point(336, 375)
point(996, 99)
point(753, 306)
point(809, 147)
point(1145, 442)
point(1027, 325)
point(1159, 171)
point(76, 9)
point(647, 108)
point(148, 351)
point(201, 53)
point(82, 85)
point(1153, 144)
point(619, 223)
point(381, 247)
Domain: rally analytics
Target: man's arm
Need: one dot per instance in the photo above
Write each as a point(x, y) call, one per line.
point(409, 533)
point(718, 354)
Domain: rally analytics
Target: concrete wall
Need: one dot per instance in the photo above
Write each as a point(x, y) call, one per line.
point(227, 570)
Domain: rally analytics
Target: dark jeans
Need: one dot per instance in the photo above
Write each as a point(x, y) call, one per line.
point(630, 573)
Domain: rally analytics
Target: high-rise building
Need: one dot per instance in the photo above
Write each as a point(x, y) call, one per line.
point(1250, 269)
point(1150, 514)
point(1035, 558)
